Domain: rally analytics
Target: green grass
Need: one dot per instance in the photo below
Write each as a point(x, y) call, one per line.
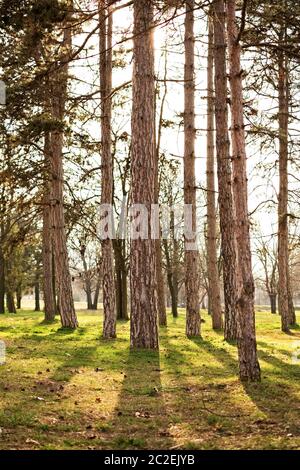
point(187, 396)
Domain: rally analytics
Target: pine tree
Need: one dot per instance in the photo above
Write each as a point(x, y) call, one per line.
point(212, 260)
point(58, 85)
point(248, 361)
point(192, 275)
point(143, 280)
point(226, 203)
point(105, 41)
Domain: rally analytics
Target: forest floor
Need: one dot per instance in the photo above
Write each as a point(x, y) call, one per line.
point(73, 390)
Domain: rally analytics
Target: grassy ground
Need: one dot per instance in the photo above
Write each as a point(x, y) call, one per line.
point(73, 390)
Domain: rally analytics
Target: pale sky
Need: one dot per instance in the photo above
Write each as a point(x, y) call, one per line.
point(260, 189)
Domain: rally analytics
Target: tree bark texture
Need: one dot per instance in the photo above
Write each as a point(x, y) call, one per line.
point(10, 302)
point(37, 307)
point(212, 258)
point(96, 294)
point(47, 241)
point(162, 312)
point(285, 303)
point(192, 273)
point(86, 278)
point(108, 284)
point(2, 281)
point(171, 253)
point(19, 296)
point(248, 360)
point(143, 278)
point(121, 280)
point(58, 100)
point(224, 171)
point(273, 302)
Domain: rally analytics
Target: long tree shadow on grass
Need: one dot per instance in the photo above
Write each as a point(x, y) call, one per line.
point(267, 353)
point(200, 400)
point(60, 345)
point(140, 420)
point(32, 392)
point(50, 393)
point(275, 396)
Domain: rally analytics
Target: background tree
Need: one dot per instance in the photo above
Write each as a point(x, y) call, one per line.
point(266, 251)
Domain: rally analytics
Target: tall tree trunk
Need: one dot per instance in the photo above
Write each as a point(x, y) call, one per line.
point(2, 281)
point(143, 282)
point(121, 291)
point(63, 277)
point(10, 284)
point(192, 274)
point(283, 298)
point(162, 313)
point(172, 266)
point(226, 204)
point(118, 283)
point(96, 294)
point(248, 361)
point(105, 41)
point(214, 295)
point(175, 274)
point(87, 280)
point(47, 244)
point(37, 307)
point(89, 300)
point(292, 311)
point(124, 282)
point(121, 280)
point(10, 302)
point(173, 285)
point(54, 284)
point(118, 278)
point(88, 291)
point(19, 295)
point(285, 302)
point(273, 302)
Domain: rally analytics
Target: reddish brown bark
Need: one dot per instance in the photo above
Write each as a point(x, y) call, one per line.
point(226, 204)
point(105, 40)
point(2, 272)
point(121, 279)
point(47, 243)
point(285, 301)
point(212, 259)
point(171, 251)
point(248, 361)
point(162, 312)
point(143, 279)
point(59, 81)
point(192, 275)
point(10, 302)
point(161, 303)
